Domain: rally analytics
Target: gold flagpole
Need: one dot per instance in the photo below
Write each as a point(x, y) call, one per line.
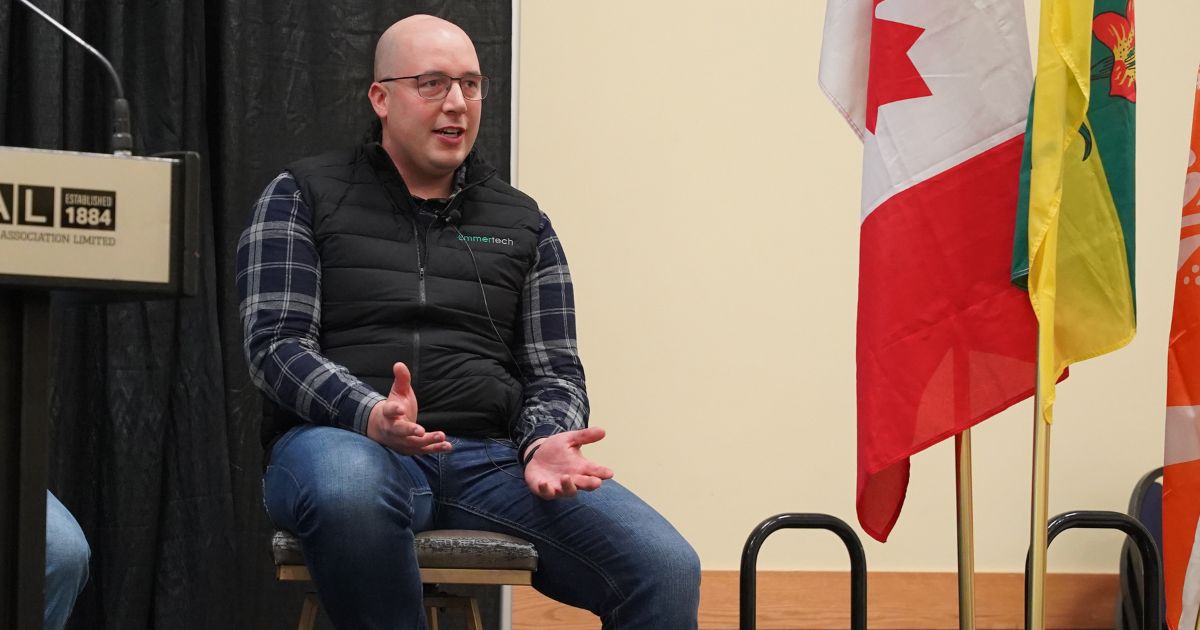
point(1036, 603)
point(966, 531)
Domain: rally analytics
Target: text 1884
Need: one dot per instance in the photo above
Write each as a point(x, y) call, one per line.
point(88, 217)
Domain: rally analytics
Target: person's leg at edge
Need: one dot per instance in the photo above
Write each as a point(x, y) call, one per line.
point(354, 505)
point(606, 551)
point(67, 555)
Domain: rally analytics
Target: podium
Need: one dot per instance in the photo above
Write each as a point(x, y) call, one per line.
point(103, 227)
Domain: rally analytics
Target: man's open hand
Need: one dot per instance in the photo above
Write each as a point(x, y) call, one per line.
point(393, 422)
point(559, 469)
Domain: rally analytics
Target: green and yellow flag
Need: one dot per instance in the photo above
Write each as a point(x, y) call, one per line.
point(1075, 210)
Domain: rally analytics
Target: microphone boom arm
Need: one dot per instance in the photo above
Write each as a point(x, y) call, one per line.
point(122, 139)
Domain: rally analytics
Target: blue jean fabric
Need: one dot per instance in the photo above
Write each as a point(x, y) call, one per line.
point(356, 505)
point(67, 555)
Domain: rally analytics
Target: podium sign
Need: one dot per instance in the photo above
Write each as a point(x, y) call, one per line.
point(95, 221)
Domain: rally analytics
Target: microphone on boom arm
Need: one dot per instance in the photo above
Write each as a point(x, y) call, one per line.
point(122, 139)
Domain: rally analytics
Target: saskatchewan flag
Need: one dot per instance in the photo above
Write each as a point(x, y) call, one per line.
point(1074, 241)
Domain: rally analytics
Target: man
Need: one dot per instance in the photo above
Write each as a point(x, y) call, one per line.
point(407, 267)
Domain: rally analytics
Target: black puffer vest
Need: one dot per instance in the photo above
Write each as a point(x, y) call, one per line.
point(393, 292)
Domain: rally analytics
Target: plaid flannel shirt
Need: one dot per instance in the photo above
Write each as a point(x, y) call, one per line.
point(279, 285)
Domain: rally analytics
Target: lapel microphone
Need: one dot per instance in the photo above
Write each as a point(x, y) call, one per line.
point(452, 217)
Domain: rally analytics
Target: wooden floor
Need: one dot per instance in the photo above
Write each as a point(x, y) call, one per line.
point(794, 600)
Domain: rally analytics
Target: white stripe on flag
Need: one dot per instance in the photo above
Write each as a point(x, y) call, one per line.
point(1183, 435)
point(1191, 588)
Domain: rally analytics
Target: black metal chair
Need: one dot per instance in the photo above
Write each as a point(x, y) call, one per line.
point(1145, 505)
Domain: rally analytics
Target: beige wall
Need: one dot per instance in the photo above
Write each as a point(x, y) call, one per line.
point(707, 195)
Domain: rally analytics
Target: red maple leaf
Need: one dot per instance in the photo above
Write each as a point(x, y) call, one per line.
point(892, 76)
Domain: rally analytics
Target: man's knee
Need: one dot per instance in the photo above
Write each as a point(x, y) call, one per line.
point(67, 552)
point(67, 561)
point(678, 566)
point(665, 586)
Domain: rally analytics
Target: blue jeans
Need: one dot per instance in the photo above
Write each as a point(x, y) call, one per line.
point(67, 556)
point(355, 506)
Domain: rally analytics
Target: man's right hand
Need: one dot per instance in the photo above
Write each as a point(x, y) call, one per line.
point(393, 422)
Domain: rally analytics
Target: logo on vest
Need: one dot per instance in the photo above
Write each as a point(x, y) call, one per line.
point(493, 240)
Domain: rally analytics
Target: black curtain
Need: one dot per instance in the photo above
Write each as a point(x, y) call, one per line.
point(154, 428)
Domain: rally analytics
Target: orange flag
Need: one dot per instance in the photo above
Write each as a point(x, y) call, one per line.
point(1181, 472)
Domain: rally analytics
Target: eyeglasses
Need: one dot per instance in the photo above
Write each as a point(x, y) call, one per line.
point(436, 85)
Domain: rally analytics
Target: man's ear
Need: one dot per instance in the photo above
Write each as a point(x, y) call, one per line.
point(378, 96)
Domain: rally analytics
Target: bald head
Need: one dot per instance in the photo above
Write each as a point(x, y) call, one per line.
point(428, 133)
point(402, 39)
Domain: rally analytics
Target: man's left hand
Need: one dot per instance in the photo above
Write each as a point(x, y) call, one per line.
point(559, 469)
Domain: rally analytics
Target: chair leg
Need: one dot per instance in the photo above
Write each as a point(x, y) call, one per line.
point(308, 613)
point(438, 601)
point(474, 621)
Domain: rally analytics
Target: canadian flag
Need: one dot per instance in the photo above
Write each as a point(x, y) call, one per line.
point(939, 93)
